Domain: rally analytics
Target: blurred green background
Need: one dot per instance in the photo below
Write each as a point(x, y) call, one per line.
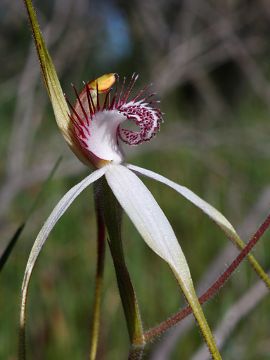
point(209, 63)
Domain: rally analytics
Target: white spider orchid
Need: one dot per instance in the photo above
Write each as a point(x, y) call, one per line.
point(94, 129)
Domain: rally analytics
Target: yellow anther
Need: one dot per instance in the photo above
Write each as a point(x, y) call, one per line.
point(104, 82)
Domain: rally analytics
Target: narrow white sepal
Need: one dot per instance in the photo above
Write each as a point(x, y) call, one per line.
point(57, 212)
point(149, 219)
point(208, 209)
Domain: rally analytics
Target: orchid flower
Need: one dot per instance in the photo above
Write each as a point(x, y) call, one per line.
point(94, 128)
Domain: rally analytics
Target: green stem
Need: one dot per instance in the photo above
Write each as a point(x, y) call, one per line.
point(99, 280)
point(113, 214)
point(136, 353)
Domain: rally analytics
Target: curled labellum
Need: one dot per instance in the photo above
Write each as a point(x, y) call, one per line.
point(98, 119)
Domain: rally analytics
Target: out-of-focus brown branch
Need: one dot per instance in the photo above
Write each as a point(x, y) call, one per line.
point(164, 349)
point(168, 72)
point(236, 313)
point(32, 177)
point(212, 290)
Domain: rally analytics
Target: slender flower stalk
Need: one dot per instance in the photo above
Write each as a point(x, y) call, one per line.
point(213, 289)
point(113, 219)
point(94, 128)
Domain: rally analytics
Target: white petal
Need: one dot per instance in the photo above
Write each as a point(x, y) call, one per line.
point(57, 212)
point(102, 140)
point(155, 229)
point(148, 218)
point(208, 209)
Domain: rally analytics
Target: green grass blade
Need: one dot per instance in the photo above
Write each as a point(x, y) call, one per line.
point(10, 246)
point(12, 242)
point(43, 188)
point(101, 232)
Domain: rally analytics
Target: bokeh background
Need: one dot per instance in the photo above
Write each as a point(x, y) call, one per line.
point(209, 63)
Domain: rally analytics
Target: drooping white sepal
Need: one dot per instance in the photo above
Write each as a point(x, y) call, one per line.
point(55, 215)
point(208, 209)
point(148, 218)
point(155, 229)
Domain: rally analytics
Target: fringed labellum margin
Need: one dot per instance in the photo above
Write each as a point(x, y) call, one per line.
point(98, 116)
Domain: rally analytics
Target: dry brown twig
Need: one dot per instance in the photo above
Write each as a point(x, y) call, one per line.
point(259, 211)
point(235, 314)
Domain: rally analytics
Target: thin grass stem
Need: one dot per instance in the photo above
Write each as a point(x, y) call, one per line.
point(95, 328)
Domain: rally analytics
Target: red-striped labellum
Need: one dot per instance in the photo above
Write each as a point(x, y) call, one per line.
point(98, 116)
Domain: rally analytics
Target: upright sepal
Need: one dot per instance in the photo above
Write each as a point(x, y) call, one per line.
point(51, 80)
point(55, 92)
